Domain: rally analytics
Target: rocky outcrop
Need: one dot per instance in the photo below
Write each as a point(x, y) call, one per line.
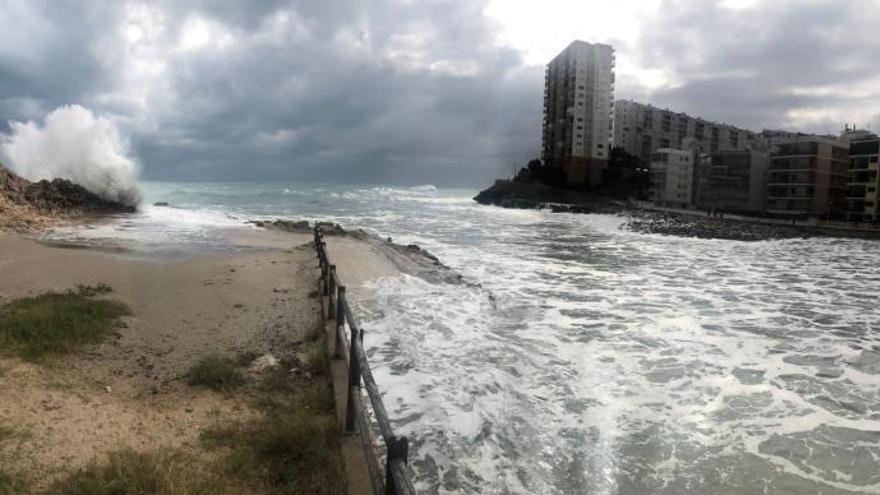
point(675, 224)
point(410, 258)
point(531, 195)
point(298, 226)
point(62, 197)
point(31, 206)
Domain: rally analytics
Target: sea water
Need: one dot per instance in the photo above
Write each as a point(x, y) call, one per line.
point(582, 358)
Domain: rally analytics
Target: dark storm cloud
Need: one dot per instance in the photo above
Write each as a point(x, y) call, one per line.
point(784, 63)
point(382, 91)
point(400, 91)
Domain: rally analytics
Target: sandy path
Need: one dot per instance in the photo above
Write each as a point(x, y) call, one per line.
point(126, 392)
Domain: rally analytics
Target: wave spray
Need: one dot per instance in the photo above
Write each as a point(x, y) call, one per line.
point(75, 144)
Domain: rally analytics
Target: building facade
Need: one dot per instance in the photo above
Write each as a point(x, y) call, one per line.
point(863, 196)
point(733, 181)
point(672, 178)
point(578, 106)
point(642, 129)
point(808, 176)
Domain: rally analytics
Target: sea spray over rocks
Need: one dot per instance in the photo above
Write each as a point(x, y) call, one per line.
point(75, 144)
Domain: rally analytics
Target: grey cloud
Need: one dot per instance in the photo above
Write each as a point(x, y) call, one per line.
point(750, 67)
point(398, 91)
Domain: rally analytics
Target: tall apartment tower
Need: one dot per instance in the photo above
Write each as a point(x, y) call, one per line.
point(578, 108)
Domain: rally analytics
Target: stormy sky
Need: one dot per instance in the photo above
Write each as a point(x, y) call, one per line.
point(410, 92)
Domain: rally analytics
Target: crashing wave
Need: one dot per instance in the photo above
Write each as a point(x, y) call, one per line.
point(427, 188)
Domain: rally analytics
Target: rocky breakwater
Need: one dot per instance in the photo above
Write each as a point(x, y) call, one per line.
point(408, 258)
point(676, 224)
point(535, 195)
point(29, 207)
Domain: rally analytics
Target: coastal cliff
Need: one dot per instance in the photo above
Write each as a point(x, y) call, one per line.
point(27, 206)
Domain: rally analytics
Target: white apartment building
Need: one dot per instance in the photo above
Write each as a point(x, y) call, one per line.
point(642, 129)
point(578, 106)
point(672, 178)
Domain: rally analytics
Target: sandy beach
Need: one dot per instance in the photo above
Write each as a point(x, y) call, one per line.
point(247, 302)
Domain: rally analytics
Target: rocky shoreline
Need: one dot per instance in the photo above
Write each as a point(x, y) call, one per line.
point(529, 195)
point(532, 195)
point(676, 224)
point(408, 258)
point(30, 207)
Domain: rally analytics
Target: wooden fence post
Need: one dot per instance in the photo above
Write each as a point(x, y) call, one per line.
point(333, 300)
point(354, 382)
point(340, 321)
point(326, 271)
point(398, 449)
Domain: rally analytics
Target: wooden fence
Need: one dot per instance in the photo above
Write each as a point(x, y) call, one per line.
point(394, 476)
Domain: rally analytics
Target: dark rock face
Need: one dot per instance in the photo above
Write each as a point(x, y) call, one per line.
point(57, 197)
point(531, 195)
point(64, 197)
point(11, 185)
point(301, 226)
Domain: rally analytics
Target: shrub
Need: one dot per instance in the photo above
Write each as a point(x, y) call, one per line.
point(216, 372)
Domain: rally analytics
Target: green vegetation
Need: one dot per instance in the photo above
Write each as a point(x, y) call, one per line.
point(6, 432)
point(9, 484)
point(294, 447)
point(57, 323)
point(216, 372)
point(127, 472)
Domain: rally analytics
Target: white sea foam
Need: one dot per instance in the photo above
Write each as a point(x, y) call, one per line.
point(75, 144)
point(591, 360)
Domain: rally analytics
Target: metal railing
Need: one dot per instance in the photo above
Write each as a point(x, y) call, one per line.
point(397, 479)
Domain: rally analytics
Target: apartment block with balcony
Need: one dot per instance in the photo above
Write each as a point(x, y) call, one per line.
point(672, 178)
point(808, 176)
point(642, 129)
point(863, 196)
point(733, 181)
point(578, 105)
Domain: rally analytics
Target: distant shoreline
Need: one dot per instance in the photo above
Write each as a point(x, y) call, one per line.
point(693, 223)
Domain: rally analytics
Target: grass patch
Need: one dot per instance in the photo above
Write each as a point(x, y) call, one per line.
point(9, 484)
point(6, 433)
point(293, 448)
point(216, 372)
point(127, 472)
point(58, 323)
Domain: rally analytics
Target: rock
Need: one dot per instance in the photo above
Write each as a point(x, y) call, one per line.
point(264, 362)
point(533, 195)
point(290, 226)
point(161, 203)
